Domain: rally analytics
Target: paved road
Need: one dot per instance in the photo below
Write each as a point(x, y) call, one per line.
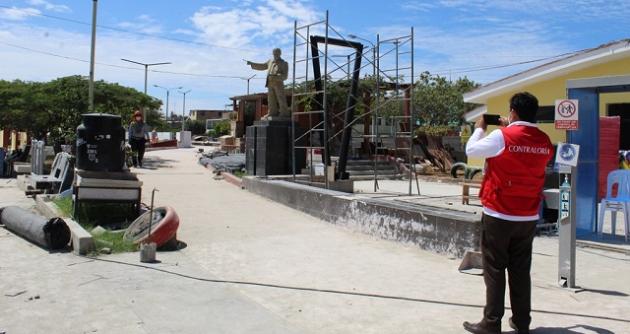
point(237, 236)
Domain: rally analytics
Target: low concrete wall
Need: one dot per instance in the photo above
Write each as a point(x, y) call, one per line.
point(431, 228)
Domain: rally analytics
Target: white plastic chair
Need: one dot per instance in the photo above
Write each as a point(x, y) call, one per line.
point(614, 202)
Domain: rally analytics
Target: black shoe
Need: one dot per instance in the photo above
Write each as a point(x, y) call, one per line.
point(479, 328)
point(518, 331)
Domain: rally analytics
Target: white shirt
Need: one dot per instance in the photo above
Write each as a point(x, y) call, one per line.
point(481, 146)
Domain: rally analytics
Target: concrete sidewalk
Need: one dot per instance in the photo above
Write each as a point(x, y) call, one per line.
point(234, 235)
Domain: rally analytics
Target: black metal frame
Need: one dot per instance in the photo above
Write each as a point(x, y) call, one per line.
point(352, 96)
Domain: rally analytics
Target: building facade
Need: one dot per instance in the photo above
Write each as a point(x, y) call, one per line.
point(548, 82)
point(204, 114)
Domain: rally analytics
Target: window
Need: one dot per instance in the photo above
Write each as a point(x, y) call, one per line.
point(545, 114)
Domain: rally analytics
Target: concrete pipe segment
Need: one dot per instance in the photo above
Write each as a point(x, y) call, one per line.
point(50, 234)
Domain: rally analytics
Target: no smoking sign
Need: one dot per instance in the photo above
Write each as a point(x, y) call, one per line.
point(566, 115)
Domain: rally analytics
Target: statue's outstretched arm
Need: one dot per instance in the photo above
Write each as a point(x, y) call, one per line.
point(258, 66)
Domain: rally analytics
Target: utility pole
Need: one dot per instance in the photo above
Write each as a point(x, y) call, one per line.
point(168, 92)
point(184, 108)
point(92, 56)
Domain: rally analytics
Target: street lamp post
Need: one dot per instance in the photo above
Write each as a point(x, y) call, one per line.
point(184, 107)
point(248, 79)
point(146, 71)
point(168, 92)
point(348, 63)
point(373, 51)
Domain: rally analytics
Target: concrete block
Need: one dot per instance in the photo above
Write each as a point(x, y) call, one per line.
point(23, 182)
point(21, 168)
point(82, 241)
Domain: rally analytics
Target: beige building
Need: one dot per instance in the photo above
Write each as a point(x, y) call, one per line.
point(204, 114)
point(12, 140)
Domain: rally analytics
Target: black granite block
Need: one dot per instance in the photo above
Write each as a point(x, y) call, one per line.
point(269, 149)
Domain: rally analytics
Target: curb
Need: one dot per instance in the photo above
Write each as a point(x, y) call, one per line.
point(608, 248)
point(228, 177)
point(233, 179)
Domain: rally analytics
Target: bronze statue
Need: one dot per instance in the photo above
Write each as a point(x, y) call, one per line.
point(277, 72)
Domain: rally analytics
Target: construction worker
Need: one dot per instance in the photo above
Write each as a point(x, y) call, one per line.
point(511, 192)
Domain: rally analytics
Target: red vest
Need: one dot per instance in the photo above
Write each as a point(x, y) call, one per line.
point(513, 181)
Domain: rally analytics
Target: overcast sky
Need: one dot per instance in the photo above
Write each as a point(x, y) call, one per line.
point(46, 39)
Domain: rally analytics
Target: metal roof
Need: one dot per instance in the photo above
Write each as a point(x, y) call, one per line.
point(585, 58)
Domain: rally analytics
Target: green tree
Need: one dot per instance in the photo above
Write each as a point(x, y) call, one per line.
point(196, 127)
point(222, 128)
point(439, 101)
point(52, 110)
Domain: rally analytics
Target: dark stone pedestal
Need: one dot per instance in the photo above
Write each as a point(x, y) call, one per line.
point(268, 148)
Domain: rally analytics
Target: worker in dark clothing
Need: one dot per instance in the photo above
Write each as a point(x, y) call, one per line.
point(138, 137)
point(516, 157)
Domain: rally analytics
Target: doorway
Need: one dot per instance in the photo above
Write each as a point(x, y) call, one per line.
point(623, 111)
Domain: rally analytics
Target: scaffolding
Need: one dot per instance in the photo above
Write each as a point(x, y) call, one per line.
point(395, 76)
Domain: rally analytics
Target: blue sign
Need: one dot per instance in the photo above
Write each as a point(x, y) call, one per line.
point(567, 154)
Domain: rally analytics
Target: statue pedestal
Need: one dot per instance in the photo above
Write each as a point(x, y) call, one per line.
point(268, 148)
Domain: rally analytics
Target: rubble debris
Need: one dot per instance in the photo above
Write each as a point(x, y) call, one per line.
point(222, 161)
point(50, 234)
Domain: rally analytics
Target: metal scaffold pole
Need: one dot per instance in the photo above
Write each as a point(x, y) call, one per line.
point(412, 171)
point(326, 155)
point(293, 109)
point(377, 102)
point(391, 87)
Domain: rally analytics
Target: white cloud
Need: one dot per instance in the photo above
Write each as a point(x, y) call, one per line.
point(206, 92)
point(143, 23)
point(454, 51)
point(419, 6)
point(185, 32)
point(50, 6)
point(566, 9)
point(18, 14)
point(265, 22)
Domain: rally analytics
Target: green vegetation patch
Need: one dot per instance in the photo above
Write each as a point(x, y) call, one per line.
point(239, 173)
point(113, 241)
point(104, 238)
point(64, 204)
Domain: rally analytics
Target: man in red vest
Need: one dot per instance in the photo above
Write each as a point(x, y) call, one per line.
point(511, 193)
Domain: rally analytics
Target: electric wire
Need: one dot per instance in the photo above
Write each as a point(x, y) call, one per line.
point(174, 39)
point(437, 72)
point(122, 66)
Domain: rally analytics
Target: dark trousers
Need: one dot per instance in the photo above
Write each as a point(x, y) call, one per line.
point(507, 245)
point(137, 145)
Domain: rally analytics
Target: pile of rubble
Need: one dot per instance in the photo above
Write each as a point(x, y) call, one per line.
point(223, 161)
